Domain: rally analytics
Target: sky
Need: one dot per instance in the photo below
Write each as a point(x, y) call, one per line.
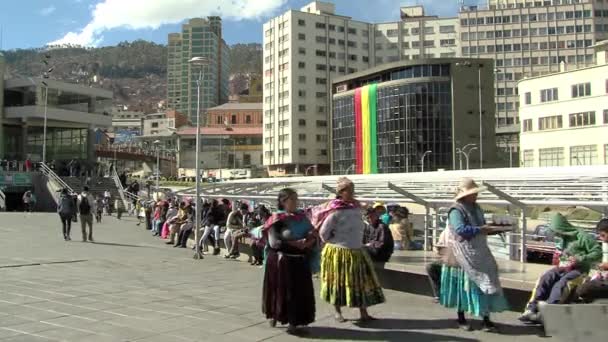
point(37, 23)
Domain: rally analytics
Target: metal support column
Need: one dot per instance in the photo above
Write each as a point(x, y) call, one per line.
point(524, 223)
point(420, 201)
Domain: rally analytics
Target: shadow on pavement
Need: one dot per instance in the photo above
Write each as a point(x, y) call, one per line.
point(431, 324)
point(328, 333)
point(120, 245)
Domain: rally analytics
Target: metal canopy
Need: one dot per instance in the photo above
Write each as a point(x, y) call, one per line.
point(523, 187)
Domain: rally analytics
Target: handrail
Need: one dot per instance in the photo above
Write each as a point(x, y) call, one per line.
point(49, 173)
point(124, 195)
point(2, 201)
point(121, 190)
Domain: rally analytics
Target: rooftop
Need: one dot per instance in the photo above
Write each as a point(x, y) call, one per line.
point(238, 106)
point(222, 131)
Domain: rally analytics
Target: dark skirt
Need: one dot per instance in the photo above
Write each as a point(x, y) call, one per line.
point(288, 294)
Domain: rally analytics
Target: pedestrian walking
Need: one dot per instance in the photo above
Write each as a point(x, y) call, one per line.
point(473, 285)
point(66, 210)
point(86, 208)
point(348, 277)
point(99, 209)
point(288, 292)
point(28, 165)
point(28, 201)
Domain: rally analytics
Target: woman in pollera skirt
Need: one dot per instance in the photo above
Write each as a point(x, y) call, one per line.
point(471, 284)
point(347, 272)
point(291, 256)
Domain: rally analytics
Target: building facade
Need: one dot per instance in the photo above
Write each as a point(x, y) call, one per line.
point(385, 118)
point(564, 116)
point(74, 113)
point(529, 39)
point(160, 123)
point(226, 152)
point(199, 38)
point(305, 50)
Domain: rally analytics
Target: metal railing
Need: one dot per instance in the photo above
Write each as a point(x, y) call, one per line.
point(2, 201)
point(125, 196)
point(56, 182)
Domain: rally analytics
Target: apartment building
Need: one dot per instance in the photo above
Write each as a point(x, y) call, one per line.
point(529, 39)
point(564, 116)
point(305, 50)
point(199, 38)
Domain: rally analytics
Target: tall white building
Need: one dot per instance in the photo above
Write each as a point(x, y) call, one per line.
point(304, 50)
point(564, 116)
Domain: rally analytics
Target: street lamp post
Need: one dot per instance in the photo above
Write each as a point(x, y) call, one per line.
point(157, 143)
point(466, 154)
point(200, 62)
point(46, 75)
point(423, 156)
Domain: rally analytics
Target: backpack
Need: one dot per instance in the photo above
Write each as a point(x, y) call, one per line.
point(85, 207)
point(66, 205)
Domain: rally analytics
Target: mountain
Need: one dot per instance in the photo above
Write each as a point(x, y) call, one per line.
point(134, 71)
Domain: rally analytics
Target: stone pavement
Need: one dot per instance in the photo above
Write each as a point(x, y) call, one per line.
point(129, 286)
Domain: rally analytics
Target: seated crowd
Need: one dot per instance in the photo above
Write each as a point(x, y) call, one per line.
point(387, 229)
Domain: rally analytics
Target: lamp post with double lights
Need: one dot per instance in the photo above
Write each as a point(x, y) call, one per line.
point(200, 62)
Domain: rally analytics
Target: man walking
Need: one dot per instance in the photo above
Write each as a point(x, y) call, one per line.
point(86, 208)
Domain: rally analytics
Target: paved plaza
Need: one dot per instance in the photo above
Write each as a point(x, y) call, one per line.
point(130, 286)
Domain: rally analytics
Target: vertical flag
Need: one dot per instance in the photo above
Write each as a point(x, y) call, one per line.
point(366, 129)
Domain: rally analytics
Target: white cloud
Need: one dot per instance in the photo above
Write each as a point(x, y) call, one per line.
point(47, 10)
point(145, 14)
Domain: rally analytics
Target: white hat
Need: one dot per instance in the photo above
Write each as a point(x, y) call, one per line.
point(467, 187)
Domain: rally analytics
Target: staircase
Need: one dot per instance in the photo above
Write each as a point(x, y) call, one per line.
point(97, 186)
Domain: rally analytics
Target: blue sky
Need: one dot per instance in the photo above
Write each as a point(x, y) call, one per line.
point(35, 23)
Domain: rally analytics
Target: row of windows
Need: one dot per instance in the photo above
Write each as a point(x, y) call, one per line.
point(554, 156)
point(552, 94)
point(573, 59)
point(525, 18)
point(568, 44)
point(535, 31)
point(555, 122)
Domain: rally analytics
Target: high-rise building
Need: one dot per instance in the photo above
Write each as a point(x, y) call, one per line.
point(199, 38)
point(304, 50)
point(527, 39)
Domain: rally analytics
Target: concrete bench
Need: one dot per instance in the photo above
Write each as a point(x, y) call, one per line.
point(576, 322)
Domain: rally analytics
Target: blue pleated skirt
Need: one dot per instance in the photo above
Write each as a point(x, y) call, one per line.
point(459, 292)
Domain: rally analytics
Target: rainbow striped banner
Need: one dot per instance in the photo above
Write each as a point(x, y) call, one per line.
point(366, 130)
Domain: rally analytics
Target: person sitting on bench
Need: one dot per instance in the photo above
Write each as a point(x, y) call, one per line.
point(578, 252)
point(597, 285)
point(377, 238)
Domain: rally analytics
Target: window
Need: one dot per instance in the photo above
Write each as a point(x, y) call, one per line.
point(321, 123)
point(301, 79)
point(392, 33)
point(301, 22)
point(551, 156)
point(302, 137)
point(447, 29)
point(352, 30)
point(352, 44)
point(331, 27)
point(447, 42)
point(320, 25)
point(248, 119)
point(302, 122)
point(332, 41)
point(301, 108)
point(302, 151)
point(247, 159)
point(582, 119)
point(321, 80)
point(301, 36)
point(320, 53)
point(301, 65)
point(528, 99)
point(155, 125)
point(321, 95)
point(580, 90)
point(284, 152)
point(606, 116)
point(320, 39)
point(547, 95)
point(528, 158)
point(527, 125)
point(550, 122)
point(301, 93)
point(321, 67)
point(583, 155)
point(429, 30)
